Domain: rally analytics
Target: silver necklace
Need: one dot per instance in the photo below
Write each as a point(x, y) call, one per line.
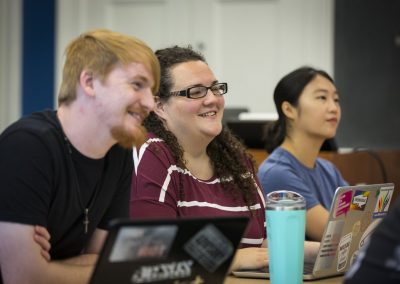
point(85, 209)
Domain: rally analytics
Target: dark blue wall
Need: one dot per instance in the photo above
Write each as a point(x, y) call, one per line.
point(38, 39)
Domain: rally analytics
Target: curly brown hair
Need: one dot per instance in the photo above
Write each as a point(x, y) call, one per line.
point(229, 158)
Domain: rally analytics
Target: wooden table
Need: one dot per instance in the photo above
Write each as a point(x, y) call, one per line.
point(236, 280)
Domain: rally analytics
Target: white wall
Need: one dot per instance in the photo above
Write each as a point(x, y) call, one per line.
point(10, 61)
point(250, 44)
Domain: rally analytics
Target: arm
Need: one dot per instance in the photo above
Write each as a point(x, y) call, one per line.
point(254, 258)
point(27, 265)
point(96, 242)
point(25, 196)
point(311, 251)
point(91, 253)
point(42, 238)
point(316, 219)
point(250, 258)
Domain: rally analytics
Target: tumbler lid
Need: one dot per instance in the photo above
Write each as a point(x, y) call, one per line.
point(285, 200)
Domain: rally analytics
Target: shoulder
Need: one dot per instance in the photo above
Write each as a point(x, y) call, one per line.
point(325, 163)
point(36, 133)
point(154, 151)
point(41, 126)
point(118, 152)
point(326, 166)
point(38, 121)
point(280, 171)
point(281, 157)
point(280, 162)
point(120, 158)
point(330, 172)
point(280, 176)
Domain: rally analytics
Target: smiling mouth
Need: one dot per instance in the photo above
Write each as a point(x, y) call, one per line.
point(136, 116)
point(209, 114)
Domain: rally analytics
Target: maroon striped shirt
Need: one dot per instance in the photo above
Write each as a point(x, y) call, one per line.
point(155, 192)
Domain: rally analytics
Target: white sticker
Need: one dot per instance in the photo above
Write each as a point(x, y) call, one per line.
point(383, 202)
point(343, 251)
point(143, 242)
point(210, 247)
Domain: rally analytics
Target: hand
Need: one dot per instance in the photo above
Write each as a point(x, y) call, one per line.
point(42, 238)
point(250, 258)
point(310, 251)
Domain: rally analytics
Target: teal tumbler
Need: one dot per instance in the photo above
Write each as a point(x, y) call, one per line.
point(286, 216)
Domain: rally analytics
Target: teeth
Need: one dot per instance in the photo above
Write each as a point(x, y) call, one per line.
point(135, 115)
point(211, 113)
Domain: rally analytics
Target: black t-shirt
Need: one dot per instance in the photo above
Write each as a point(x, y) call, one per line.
point(38, 183)
point(379, 262)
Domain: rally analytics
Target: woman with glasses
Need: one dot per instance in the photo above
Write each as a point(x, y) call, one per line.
point(191, 166)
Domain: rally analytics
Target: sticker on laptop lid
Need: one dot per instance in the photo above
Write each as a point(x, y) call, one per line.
point(168, 272)
point(329, 245)
point(343, 203)
point(209, 247)
point(343, 251)
point(360, 200)
point(383, 202)
point(366, 220)
point(143, 242)
point(356, 228)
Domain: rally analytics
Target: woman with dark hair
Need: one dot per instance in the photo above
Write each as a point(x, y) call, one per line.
point(309, 113)
point(191, 166)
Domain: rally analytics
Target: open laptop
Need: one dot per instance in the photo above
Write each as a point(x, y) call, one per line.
point(185, 250)
point(354, 214)
point(251, 132)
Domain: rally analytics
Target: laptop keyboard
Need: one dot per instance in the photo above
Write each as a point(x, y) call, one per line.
point(307, 269)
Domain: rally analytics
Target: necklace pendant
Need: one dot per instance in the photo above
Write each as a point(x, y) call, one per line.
point(86, 220)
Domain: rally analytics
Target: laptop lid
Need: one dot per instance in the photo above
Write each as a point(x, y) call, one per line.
point(354, 214)
point(164, 251)
point(251, 132)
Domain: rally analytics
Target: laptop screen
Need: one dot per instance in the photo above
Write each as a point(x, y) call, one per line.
point(251, 132)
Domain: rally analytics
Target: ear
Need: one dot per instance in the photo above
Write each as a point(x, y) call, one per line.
point(288, 110)
point(86, 82)
point(159, 107)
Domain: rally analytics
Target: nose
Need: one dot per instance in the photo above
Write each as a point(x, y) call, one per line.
point(147, 100)
point(211, 98)
point(334, 105)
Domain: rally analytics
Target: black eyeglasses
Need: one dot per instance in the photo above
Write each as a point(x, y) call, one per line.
point(199, 92)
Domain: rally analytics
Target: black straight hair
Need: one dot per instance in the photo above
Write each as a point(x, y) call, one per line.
point(288, 89)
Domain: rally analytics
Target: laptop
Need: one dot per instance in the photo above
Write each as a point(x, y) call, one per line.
point(354, 214)
point(184, 250)
point(251, 132)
